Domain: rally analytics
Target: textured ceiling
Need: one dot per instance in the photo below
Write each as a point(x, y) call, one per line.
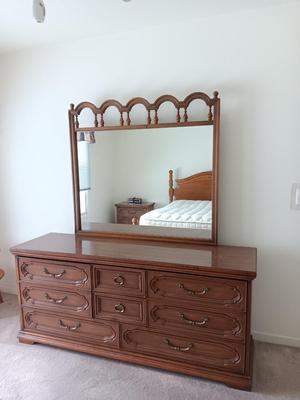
point(69, 19)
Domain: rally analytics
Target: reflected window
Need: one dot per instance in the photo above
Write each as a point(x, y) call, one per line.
point(84, 175)
point(84, 166)
point(84, 202)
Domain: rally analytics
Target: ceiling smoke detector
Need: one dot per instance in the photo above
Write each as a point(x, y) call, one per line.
point(39, 11)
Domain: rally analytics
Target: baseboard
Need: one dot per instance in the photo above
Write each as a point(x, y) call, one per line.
point(6, 288)
point(276, 339)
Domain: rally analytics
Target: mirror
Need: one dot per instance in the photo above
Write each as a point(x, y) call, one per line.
point(121, 169)
point(158, 183)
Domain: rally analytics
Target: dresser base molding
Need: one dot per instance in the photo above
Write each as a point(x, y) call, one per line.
point(236, 381)
point(25, 340)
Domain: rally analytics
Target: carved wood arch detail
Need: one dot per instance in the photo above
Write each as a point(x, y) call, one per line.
point(150, 121)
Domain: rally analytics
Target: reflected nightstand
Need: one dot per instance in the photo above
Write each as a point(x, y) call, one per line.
point(126, 212)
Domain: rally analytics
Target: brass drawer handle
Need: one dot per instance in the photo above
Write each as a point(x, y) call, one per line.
point(194, 323)
point(178, 348)
point(56, 276)
point(68, 327)
point(192, 292)
point(55, 301)
point(119, 308)
point(119, 280)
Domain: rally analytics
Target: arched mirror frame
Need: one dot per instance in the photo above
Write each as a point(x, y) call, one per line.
point(152, 121)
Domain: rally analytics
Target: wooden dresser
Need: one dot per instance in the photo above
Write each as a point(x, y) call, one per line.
point(183, 308)
point(127, 212)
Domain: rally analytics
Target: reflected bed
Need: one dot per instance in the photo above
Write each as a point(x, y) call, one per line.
point(192, 214)
point(190, 204)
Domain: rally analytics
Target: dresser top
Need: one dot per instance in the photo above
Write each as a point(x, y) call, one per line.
point(224, 261)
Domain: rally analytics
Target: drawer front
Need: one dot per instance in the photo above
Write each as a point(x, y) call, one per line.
point(213, 292)
point(125, 215)
point(131, 212)
point(56, 300)
point(124, 220)
point(225, 356)
point(128, 212)
point(55, 273)
point(197, 322)
point(120, 309)
point(119, 281)
point(105, 333)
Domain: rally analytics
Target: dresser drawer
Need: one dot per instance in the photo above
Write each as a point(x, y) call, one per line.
point(120, 309)
point(225, 356)
point(54, 273)
point(101, 332)
point(129, 282)
point(212, 292)
point(130, 212)
point(56, 300)
point(125, 216)
point(127, 212)
point(192, 321)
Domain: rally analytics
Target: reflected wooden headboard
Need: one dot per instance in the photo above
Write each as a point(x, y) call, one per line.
point(194, 187)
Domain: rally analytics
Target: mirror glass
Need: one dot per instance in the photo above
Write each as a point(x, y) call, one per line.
point(124, 178)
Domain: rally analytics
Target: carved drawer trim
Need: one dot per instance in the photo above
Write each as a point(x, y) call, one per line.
point(226, 356)
point(214, 292)
point(198, 321)
point(55, 272)
point(56, 300)
point(119, 281)
point(61, 325)
point(119, 308)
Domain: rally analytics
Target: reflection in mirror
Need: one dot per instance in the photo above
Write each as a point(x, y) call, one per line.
point(160, 177)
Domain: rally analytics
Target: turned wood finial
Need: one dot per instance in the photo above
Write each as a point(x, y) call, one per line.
point(210, 114)
point(156, 117)
point(134, 221)
point(121, 119)
point(178, 115)
point(149, 118)
point(185, 115)
point(96, 123)
point(128, 119)
point(171, 189)
point(101, 120)
point(76, 121)
point(216, 95)
point(72, 106)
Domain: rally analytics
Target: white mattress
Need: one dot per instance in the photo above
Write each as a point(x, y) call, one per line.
point(192, 214)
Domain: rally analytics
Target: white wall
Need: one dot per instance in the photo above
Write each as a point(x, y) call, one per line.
point(252, 58)
point(142, 161)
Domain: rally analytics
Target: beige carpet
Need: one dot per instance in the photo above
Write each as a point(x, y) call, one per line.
point(44, 373)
